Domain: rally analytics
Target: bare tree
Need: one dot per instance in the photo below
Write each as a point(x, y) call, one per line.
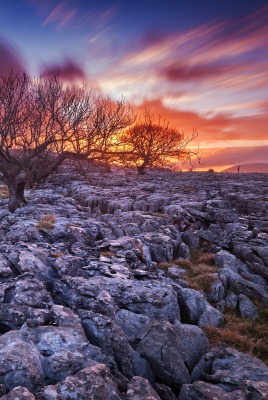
point(43, 122)
point(151, 143)
point(99, 137)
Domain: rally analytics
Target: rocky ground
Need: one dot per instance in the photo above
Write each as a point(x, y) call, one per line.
point(96, 299)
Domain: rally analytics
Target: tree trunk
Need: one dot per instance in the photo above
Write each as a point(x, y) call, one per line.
point(16, 194)
point(141, 169)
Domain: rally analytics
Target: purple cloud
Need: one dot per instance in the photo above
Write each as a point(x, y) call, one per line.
point(180, 72)
point(10, 59)
point(67, 71)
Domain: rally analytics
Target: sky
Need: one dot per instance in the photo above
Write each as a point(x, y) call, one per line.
point(201, 65)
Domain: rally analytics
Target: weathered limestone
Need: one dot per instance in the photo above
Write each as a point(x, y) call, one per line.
point(85, 312)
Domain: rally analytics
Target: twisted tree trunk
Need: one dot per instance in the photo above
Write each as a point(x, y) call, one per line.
point(141, 169)
point(16, 193)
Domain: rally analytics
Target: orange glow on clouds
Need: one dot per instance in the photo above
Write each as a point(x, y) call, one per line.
point(211, 76)
point(208, 79)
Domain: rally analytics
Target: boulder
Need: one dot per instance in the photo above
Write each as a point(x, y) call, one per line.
point(162, 347)
point(139, 388)
point(104, 333)
point(229, 368)
point(20, 362)
point(131, 324)
point(247, 309)
point(18, 393)
point(94, 382)
point(205, 391)
point(195, 309)
point(255, 390)
point(194, 341)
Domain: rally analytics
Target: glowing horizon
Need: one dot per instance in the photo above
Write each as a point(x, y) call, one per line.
point(201, 66)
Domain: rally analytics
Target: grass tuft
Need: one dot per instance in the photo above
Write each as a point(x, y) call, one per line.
point(107, 253)
point(200, 272)
point(4, 192)
point(245, 335)
point(47, 221)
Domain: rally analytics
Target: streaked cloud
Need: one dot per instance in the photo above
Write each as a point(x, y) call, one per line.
point(61, 14)
point(10, 58)
point(217, 64)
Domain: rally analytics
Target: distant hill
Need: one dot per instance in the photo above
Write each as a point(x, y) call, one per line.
point(256, 167)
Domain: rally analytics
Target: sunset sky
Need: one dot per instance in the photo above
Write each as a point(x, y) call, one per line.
point(200, 64)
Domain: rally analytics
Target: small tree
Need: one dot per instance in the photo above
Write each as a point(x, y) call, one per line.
point(152, 143)
point(43, 122)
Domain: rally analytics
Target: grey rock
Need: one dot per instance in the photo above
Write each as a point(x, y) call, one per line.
point(192, 305)
point(5, 267)
point(173, 272)
point(141, 366)
point(184, 251)
point(11, 317)
point(194, 341)
point(51, 276)
point(231, 300)
point(165, 392)
point(162, 347)
point(65, 349)
point(20, 362)
point(205, 391)
point(69, 265)
point(132, 324)
point(90, 383)
point(217, 291)
point(79, 293)
point(138, 388)
point(154, 299)
point(211, 317)
point(196, 310)
point(229, 368)
point(255, 390)
point(104, 333)
point(65, 363)
point(247, 309)
point(224, 259)
point(18, 393)
point(161, 246)
point(28, 291)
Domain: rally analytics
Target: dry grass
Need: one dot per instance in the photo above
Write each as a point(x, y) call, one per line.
point(47, 221)
point(139, 247)
point(245, 335)
point(206, 258)
point(57, 255)
point(107, 253)
point(199, 272)
point(4, 192)
point(157, 214)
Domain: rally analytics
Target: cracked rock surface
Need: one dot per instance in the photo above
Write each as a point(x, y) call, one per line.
point(85, 312)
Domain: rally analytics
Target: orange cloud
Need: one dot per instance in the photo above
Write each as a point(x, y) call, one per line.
point(220, 159)
point(218, 128)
